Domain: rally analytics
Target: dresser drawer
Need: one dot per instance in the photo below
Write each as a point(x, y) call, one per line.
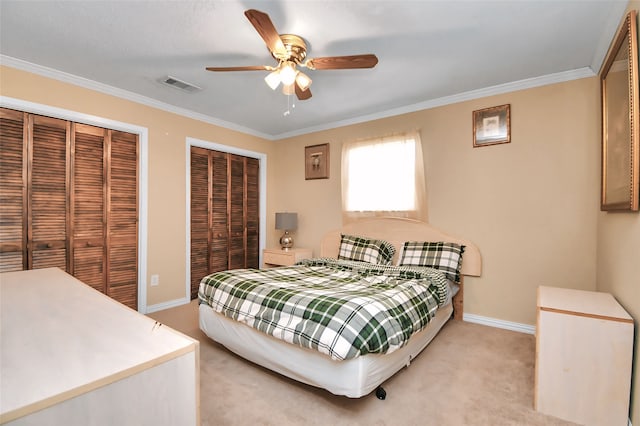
point(279, 257)
point(284, 258)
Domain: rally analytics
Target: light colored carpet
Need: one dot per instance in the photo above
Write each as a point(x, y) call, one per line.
point(469, 375)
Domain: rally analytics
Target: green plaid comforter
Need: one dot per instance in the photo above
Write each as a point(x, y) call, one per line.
point(341, 308)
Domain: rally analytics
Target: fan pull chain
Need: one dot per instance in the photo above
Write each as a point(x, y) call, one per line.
point(293, 105)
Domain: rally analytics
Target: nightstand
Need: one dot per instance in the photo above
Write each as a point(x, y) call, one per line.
point(278, 257)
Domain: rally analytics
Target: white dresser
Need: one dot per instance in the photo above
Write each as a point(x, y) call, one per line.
point(71, 355)
point(584, 350)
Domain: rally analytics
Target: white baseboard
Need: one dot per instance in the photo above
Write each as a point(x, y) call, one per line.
point(167, 305)
point(493, 322)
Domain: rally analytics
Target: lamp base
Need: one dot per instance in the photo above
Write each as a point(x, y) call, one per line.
point(286, 241)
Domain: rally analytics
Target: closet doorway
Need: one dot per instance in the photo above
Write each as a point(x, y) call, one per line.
point(69, 199)
point(224, 212)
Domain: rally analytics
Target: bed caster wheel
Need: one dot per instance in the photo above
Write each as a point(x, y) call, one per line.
point(381, 394)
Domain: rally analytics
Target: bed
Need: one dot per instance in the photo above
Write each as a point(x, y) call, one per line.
point(330, 363)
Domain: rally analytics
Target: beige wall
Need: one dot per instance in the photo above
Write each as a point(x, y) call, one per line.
point(531, 205)
point(618, 270)
point(167, 164)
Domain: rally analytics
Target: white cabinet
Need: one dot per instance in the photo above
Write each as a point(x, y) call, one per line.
point(71, 355)
point(584, 349)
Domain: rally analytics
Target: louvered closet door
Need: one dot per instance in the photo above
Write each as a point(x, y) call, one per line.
point(88, 205)
point(209, 214)
point(13, 234)
point(219, 216)
point(252, 191)
point(33, 191)
point(47, 193)
point(200, 206)
point(122, 222)
point(224, 213)
point(105, 211)
point(243, 214)
point(237, 218)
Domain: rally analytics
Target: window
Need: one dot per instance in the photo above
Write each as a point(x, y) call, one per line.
point(383, 177)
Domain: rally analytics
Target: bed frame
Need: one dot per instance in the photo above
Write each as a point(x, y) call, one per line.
point(358, 376)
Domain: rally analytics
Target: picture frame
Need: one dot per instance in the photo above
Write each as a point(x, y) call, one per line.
point(316, 161)
point(620, 177)
point(492, 126)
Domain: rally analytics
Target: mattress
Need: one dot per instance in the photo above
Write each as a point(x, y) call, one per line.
point(340, 308)
point(353, 377)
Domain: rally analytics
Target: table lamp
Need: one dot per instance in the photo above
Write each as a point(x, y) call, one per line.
point(287, 222)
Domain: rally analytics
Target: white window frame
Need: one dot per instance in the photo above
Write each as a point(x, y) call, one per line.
point(383, 177)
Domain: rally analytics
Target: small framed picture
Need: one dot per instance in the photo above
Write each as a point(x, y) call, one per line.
point(492, 126)
point(316, 161)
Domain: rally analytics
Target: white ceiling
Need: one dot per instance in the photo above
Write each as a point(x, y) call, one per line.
point(430, 52)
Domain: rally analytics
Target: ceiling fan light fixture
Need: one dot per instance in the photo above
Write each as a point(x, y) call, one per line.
point(273, 79)
point(303, 81)
point(288, 73)
point(290, 52)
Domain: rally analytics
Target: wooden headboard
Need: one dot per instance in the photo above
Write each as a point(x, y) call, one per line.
point(397, 231)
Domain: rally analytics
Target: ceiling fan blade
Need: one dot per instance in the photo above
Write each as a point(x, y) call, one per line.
point(247, 68)
point(342, 62)
point(263, 25)
point(302, 95)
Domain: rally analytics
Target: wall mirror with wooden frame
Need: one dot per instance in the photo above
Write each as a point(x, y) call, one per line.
point(620, 122)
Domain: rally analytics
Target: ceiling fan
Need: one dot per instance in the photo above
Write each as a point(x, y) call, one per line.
point(290, 51)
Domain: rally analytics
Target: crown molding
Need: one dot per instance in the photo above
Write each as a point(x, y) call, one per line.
point(432, 103)
point(123, 94)
point(448, 100)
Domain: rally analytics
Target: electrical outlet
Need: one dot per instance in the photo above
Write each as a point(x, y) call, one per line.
point(155, 280)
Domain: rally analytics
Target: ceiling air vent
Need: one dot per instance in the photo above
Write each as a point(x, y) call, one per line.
point(180, 84)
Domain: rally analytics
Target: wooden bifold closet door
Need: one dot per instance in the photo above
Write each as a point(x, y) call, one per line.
point(224, 213)
point(69, 199)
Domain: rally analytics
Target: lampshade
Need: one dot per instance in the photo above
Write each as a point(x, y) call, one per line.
point(288, 73)
point(273, 79)
point(303, 81)
point(286, 221)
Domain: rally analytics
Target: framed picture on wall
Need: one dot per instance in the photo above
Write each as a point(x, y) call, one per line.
point(492, 126)
point(316, 161)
